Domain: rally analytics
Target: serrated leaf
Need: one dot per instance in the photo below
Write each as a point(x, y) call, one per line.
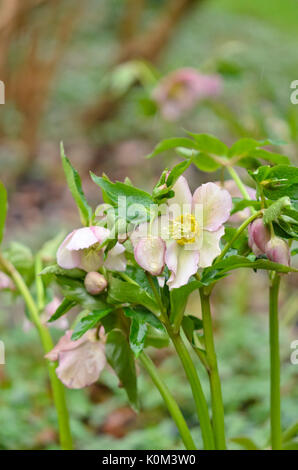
point(89, 321)
point(125, 292)
point(243, 147)
point(74, 289)
point(74, 183)
point(121, 359)
point(272, 157)
point(209, 144)
point(56, 270)
point(63, 308)
point(137, 336)
point(169, 144)
point(240, 204)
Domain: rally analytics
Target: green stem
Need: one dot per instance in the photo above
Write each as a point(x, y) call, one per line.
point(275, 416)
point(197, 391)
point(47, 343)
point(237, 234)
point(191, 373)
point(215, 385)
point(170, 402)
point(240, 185)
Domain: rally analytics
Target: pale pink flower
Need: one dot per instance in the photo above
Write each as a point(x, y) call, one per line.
point(80, 362)
point(81, 249)
point(191, 230)
point(258, 236)
point(182, 89)
point(277, 250)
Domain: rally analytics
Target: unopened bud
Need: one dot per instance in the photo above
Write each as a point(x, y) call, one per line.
point(95, 283)
point(277, 250)
point(259, 236)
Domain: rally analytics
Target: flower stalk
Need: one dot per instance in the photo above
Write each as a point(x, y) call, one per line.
point(275, 408)
point(214, 379)
point(169, 400)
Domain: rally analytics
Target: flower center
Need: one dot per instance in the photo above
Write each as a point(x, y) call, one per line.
point(184, 229)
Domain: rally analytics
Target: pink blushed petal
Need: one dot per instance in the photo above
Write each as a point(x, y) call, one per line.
point(188, 262)
point(150, 253)
point(65, 343)
point(82, 238)
point(182, 193)
point(115, 262)
point(210, 248)
point(82, 366)
point(259, 234)
point(68, 259)
point(171, 257)
point(217, 205)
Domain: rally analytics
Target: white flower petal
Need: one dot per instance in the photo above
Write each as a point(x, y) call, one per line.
point(187, 265)
point(65, 258)
point(182, 193)
point(150, 253)
point(217, 205)
point(82, 238)
point(115, 262)
point(210, 248)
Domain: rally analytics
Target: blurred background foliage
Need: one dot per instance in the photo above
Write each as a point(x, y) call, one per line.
point(83, 72)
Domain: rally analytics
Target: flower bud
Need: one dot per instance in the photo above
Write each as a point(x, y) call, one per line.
point(277, 250)
point(95, 283)
point(259, 235)
point(150, 254)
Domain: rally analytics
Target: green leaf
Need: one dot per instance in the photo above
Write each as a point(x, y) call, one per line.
point(191, 324)
point(277, 181)
point(74, 289)
point(136, 204)
point(55, 270)
point(168, 179)
point(156, 338)
point(137, 335)
point(275, 210)
point(143, 315)
point(234, 262)
point(88, 322)
point(245, 146)
point(63, 308)
point(209, 144)
point(178, 298)
point(245, 442)
point(125, 292)
point(74, 183)
point(20, 256)
point(169, 144)
point(3, 209)
point(201, 160)
point(275, 158)
point(121, 359)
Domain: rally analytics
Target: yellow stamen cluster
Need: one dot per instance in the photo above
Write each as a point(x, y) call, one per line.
point(184, 229)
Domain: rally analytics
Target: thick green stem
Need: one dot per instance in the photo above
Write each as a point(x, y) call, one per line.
point(197, 391)
point(237, 234)
point(275, 414)
point(170, 402)
point(215, 385)
point(46, 340)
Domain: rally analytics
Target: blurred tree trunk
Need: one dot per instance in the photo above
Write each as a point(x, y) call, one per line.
point(145, 46)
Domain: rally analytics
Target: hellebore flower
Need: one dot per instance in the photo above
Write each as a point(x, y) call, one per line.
point(81, 361)
point(261, 242)
point(277, 250)
point(191, 231)
point(95, 283)
point(258, 236)
point(182, 89)
point(81, 249)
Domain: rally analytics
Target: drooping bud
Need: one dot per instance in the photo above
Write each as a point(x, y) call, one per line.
point(95, 283)
point(259, 236)
point(277, 250)
point(150, 254)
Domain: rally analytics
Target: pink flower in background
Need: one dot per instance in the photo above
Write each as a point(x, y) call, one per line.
point(182, 89)
point(6, 282)
point(80, 362)
point(61, 323)
point(190, 232)
point(81, 249)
